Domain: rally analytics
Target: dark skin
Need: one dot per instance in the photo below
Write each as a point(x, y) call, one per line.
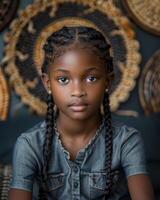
point(72, 79)
point(77, 80)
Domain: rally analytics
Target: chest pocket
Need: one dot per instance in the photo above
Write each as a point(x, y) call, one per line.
point(55, 185)
point(97, 185)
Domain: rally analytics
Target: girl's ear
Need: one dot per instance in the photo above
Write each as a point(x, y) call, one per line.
point(46, 81)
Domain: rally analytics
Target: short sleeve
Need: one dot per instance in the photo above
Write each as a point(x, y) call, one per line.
point(132, 153)
point(24, 165)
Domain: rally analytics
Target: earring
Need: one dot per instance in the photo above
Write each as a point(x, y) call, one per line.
point(107, 90)
point(49, 92)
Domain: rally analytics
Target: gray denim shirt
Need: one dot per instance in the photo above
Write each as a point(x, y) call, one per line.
point(85, 177)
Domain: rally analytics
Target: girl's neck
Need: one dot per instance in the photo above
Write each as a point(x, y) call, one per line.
point(78, 128)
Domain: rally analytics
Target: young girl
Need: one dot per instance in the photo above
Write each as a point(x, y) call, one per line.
point(78, 152)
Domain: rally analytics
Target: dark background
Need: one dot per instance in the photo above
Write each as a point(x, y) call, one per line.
point(20, 119)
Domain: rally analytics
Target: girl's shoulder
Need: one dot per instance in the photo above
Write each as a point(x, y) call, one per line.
point(123, 132)
point(36, 134)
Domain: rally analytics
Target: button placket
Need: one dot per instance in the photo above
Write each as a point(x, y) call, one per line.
point(75, 169)
point(76, 182)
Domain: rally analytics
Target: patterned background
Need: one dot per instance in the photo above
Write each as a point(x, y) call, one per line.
point(20, 118)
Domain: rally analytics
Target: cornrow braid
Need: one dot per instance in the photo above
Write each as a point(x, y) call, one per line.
point(108, 143)
point(58, 43)
point(47, 146)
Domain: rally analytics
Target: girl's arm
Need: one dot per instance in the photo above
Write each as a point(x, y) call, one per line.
point(17, 194)
point(133, 161)
point(23, 169)
point(140, 187)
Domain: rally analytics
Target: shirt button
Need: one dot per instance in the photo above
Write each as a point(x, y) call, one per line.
point(75, 184)
point(75, 169)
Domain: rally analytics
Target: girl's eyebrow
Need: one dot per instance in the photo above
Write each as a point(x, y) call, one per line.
point(61, 70)
point(92, 68)
point(87, 70)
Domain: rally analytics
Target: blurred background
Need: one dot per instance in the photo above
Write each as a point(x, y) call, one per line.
point(140, 107)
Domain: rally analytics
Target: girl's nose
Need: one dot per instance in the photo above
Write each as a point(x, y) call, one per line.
point(78, 90)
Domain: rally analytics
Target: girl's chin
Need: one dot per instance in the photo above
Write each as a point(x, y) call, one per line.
point(78, 115)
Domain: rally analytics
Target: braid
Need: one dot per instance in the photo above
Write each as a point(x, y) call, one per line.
point(108, 143)
point(47, 145)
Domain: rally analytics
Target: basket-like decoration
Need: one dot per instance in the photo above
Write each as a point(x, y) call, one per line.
point(29, 30)
point(146, 13)
point(7, 11)
point(149, 87)
point(4, 96)
point(5, 179)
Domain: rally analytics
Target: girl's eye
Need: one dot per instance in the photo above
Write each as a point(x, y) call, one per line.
point(91, 79)
point(63, 80)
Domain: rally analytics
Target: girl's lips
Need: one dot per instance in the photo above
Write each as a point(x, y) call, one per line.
point(78, 107)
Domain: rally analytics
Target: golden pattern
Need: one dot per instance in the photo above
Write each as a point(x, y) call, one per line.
point(4, 97)
point(145, 13)
point(149, 86)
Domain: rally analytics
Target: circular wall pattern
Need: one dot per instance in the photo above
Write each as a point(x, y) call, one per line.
point(7, 11)
point(4, 97)
point(149, 87)
point(31, 27)
point(145, 13)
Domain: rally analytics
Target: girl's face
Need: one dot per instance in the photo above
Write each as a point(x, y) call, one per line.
point(77, 80)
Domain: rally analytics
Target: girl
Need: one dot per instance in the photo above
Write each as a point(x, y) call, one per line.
point(78, 153)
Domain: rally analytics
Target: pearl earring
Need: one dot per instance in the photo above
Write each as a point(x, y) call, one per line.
point(49, 92)
point(107, 90)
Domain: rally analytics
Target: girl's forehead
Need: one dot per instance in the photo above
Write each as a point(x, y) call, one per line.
point(77, 57)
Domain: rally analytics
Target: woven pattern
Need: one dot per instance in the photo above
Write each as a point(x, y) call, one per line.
point(4, 96)
point(149, 87)
point(145, 13)
point(5, 177)
point(7, 11)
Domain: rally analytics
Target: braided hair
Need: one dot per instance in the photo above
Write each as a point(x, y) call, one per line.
point(57, 44)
